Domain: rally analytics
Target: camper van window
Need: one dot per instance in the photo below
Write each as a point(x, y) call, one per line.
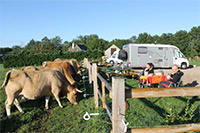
point(160, 48)
point(142, 50)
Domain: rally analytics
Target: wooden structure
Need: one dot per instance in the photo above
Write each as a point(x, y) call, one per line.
point(118, 93)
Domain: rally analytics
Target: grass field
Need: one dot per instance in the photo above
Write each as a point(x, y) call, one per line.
point(142, 112)
point(195, 62)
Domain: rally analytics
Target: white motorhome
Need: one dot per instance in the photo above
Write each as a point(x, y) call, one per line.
point(160, 55)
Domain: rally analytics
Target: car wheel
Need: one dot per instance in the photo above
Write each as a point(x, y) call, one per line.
point(111, 62)
point(183, 65)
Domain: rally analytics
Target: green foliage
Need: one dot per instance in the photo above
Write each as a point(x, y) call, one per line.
point(44, 46)
point(173, 117)
point(93, 42)
point(24, 59)
point(7, 49)
point(17, 49)
point(144, 38)
point(120, 42)
point(195, 62)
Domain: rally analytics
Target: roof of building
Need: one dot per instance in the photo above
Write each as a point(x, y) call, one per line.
point(82, 47)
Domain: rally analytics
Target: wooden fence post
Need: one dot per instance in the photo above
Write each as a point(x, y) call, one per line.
point(90, 73)
point(95, 85)
point(85, 63)
point(103, 94)
point(118, 104)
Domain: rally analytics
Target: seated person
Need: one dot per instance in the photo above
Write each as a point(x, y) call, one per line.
point(149, 69)
point(174, 78)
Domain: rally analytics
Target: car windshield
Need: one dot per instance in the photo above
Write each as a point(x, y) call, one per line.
point(114, 55)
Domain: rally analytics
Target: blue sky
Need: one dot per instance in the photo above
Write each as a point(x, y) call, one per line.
point(23, 20)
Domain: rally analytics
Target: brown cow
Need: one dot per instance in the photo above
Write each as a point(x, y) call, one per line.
point(66, 66)
point(35, 84)
point(73, 62)
point(68, 76)
point(29, 68)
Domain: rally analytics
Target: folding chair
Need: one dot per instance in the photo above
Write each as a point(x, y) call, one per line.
point(177, 84)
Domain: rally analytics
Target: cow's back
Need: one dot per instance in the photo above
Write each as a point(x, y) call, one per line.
point(41, 83)
point(65, 65)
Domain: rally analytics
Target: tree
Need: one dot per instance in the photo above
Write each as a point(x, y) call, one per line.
point(133, 39)
point(6, 49)
point(181, 40)
point(120, 42)
point(156, 39)
point(144, 38)
point(56, 42)
point(30, 45)
point(166, 38)
point(194, 39)
point(17, 49)
point(97, 44)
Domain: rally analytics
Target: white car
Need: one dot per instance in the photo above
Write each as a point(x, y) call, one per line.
point(114, 58)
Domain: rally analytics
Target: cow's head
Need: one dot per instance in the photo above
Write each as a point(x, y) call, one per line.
point(71, 96)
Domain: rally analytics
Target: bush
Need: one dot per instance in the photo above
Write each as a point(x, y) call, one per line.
point(172, 117)
point(24, 59)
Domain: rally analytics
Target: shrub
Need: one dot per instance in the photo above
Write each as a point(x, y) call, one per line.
point(172, 117)
point(24, 59)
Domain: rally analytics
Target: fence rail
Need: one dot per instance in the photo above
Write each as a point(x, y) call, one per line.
point(108, 86)
point(167, 129)
point(162, 92)
point(118, 93)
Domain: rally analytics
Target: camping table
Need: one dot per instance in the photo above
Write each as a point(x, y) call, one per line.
point(155, 79)
point(149, 80)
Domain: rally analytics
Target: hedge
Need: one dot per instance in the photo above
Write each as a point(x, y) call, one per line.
point(19, 60)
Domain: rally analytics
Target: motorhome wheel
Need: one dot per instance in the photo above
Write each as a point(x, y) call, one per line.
point(183, 65)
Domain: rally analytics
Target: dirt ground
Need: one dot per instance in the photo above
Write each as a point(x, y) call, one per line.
point(191, 76)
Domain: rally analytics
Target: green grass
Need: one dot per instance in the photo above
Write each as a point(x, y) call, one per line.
point(142, 112)
point(195, 62)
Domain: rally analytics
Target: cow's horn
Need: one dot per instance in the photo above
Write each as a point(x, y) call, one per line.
point(79, 91)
